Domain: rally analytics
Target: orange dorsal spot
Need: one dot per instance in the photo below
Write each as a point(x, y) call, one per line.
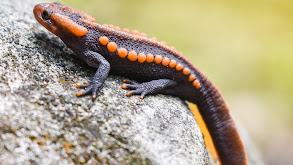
point(111, 26)
point(191, 78)
point(165, 61)
point(186, 71)
point(126, 30)
point(65, 22)
point(164, 43)
point(122, 52)
point(136, 32)
point(154, 38)
point(172, 64)
point(173, 48)
point(207, 137)
point(150, 58)
point(180, 54)
point(132, 55)
point(88, 22)
point(196, 84)
point(141, 57)
point(143, 34)
point(158, 59)
point(112, 46)
point(179, 67)
point(69, 9)
point(104, 40)
point(117, 28)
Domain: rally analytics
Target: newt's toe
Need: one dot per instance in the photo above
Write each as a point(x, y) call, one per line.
point(129, 82)
point(124, 86)
point(84, 85)
point(94, 96)
point(77, 85)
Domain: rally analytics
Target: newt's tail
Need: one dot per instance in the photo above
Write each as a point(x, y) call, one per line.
point(220, 124)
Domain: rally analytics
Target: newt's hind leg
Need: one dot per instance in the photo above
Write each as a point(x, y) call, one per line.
point(151, 87)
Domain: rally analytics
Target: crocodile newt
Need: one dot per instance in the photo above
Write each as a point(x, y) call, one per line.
point(156, 67)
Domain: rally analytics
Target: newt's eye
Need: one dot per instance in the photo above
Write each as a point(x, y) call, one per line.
point(47, 13)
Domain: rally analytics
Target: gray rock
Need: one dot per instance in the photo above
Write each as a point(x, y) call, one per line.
point(43, 122)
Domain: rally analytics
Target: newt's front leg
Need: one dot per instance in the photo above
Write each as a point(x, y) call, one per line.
point(95, 60)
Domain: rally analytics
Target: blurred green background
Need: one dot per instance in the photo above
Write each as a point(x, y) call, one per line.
point(245, 47)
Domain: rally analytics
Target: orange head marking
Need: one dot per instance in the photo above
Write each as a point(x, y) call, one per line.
point(61, 20)
point(69, 25)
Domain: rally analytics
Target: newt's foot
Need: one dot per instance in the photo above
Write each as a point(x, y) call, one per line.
point(145, 88)
point(90, 87)
point(137, 88)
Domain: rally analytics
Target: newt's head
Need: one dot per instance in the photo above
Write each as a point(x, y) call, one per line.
point(61, 20)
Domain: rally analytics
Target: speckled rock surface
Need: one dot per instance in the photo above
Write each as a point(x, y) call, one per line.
point(42, 122)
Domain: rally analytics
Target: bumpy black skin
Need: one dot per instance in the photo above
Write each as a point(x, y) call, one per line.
point(156, 78)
